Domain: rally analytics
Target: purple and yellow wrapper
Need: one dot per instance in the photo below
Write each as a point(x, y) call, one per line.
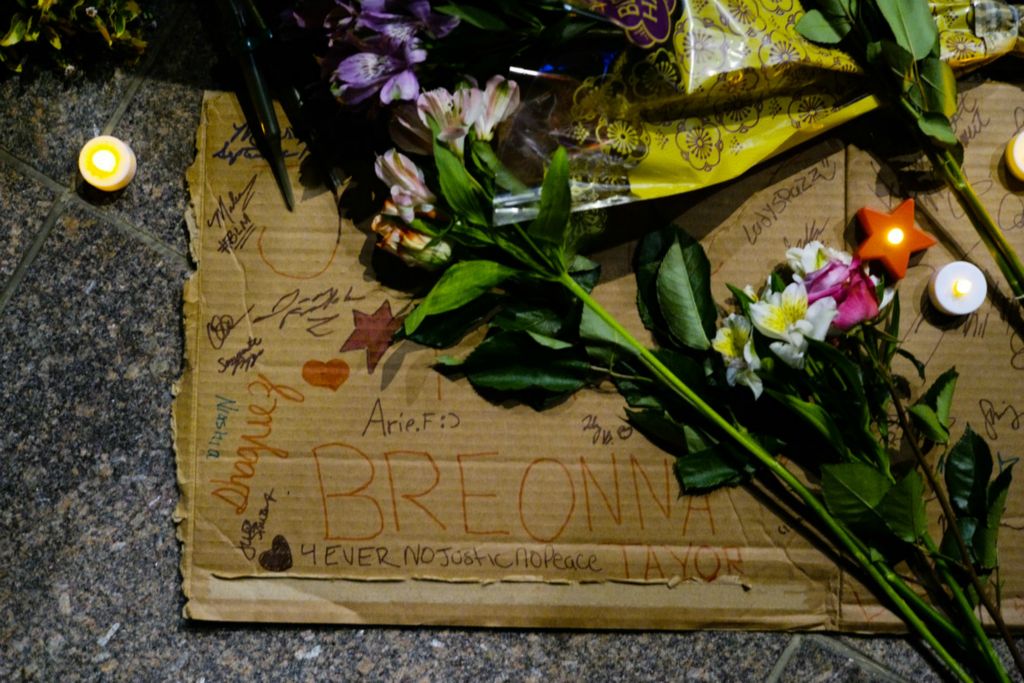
point(700, 91)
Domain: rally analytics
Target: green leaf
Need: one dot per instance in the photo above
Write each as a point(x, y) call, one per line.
point(608, 345)
point(817, 28)
point(939, 86)
point(949, 547)
point(553, 217)
point(460, 284)
point(911, 24)
point(486, 159)
point(918, 365)
point(743, 300)
point(813, 415)
point(447, 329)
point(515, 362)
point(887, 54)
point(16, 32)
point(649, 254)
point(988, 534)
point(928, 423)
point(518, 315)
point(968, 468)
point(474, 16)
point(461, 190)
point(684, 295)
point(902, 508)
point(549, 342)
point(938, 128)
point(707, 470)
point(848, 374)
point(659, 428)
point(938, 401)
point(683, 366)
point(853, 491)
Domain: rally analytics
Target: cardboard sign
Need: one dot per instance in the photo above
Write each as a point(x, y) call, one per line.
point(330, 476)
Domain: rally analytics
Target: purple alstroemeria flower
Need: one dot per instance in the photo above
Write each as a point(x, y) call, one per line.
point(403, 20)
point(850, 286)
point(388, 70)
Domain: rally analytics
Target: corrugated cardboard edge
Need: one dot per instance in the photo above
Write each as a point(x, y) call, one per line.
point(183, 420)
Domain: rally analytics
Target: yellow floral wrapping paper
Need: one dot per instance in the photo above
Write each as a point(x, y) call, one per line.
point(707, 89)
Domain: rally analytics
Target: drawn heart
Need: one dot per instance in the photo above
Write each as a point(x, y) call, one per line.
point(329, 375)
point(279, 557)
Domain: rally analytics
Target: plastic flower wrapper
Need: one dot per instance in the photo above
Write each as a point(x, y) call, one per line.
point(699, 92)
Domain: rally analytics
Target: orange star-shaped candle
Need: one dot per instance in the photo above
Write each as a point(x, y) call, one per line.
point(892, 237)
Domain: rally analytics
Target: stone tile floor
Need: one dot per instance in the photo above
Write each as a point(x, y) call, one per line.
point(90, 342)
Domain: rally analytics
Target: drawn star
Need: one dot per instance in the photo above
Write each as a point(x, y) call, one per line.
point(892, 237)
point(373, 332)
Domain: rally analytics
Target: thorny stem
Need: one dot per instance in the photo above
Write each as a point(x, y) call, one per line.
point(947, 509)
point(840, 533)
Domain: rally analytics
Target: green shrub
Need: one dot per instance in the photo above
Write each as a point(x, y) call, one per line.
point(67, 32)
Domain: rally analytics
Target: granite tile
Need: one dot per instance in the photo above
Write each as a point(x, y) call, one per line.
point(898, 654)
point(816, 662)
point(160, 124)
point(89, 345)
point(56, 113)
point(24, 204)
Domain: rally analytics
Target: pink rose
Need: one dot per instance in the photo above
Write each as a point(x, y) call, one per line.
point(850, 286)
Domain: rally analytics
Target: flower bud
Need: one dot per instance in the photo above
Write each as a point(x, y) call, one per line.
point(414, 248)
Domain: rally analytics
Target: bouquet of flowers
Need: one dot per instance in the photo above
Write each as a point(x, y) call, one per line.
point(813, 345)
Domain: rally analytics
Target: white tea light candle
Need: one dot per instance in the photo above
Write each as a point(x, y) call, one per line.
point(958, 288)
point(1015, 156)
point(107, 163)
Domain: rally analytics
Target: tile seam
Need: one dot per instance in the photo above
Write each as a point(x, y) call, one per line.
point(26, 168)
point(136, 83)
point(874, 666)
point(144, 236)
point(785, 658)
point(57, 209)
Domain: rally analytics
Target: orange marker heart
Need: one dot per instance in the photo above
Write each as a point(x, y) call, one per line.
point(330, 375)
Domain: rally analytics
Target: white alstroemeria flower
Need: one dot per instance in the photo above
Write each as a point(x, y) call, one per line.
point(785, 316)
point(736, 344)
point(453, 113)
point(501, 99)
point(409, 191)
point(813, 256)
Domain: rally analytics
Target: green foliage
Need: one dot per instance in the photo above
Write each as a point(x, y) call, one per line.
point(461, 284)
point(524, 366)
point(674, 288)
point(931, 412)
point(67, 31)
point(977, 502)
point(550, 228)
point(866, 499)
point(460, 189)
point(900, 43)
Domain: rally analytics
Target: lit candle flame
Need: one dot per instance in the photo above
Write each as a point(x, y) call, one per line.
point(104, 160)
point(894, 236)
point(961, 287)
